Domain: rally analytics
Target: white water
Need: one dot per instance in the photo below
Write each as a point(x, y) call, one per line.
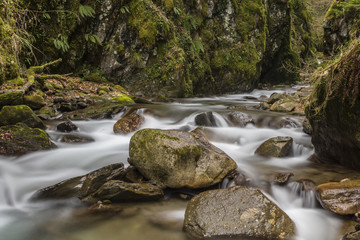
point(21, 177)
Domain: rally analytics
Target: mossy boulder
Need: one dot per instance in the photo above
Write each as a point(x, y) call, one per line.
point(35, 102)
point(340, 197)
point(20, 139)
point(177, 159)
point(236, 213)
point(10, 115)
point(275, 147)
point(341, 25)
point(11, 99)
point(334, 111)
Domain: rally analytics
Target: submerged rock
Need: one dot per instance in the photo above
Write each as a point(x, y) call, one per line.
point(67, 126)
point(276, 147)
point(178, 159)
point(340, 197)
point(11, 115)
point(20, 139)
point(128, 123)
point(205, 119)
point(73, 138)
point(236, 213)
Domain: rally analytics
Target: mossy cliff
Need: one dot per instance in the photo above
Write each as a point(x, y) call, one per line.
point(177, 48)
point(9, 45)
point(334, 110)
point(342, 24)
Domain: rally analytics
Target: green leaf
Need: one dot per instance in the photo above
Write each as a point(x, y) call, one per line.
point(86, 11)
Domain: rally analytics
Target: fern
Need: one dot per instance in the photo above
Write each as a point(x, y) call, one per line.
point(124, 9)
point(61, 43)
point(177, 11)
point(86, 11)
point(93, 38)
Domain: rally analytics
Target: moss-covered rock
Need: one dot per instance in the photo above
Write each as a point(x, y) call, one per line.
point(334, 111)
point(342, 24)
point(20, 139)
point(11, 98)
point(236, 213)
point(35, 102)
point(129, 123)
point(178, 159)
point(96, 111)
point(10, 115)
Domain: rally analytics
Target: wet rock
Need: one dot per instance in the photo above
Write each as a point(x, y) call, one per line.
point(120, 191)
point(20, 139)
point(96, 111)
point(11, 115)
point(283, 123)
point(276, 147)
point(178, 159)
point(11, 99)
point(276, 97)
point(265, 106)
point(307, 127)
point(129, 123)
point(284, 105)
point(236, 213)
point(240, 119)
point(355, 235)
point(35, 102)
point(237, 107)
point(340, 197)
point(73, 138)
point(205, 119)
point(47, 113)
point(281, 178)
point(67, 126)
point(133, 175)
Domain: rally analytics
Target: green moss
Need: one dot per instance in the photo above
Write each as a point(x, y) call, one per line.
point(10, 115)
point(17, 81)
point(11, 98)
point(122, 99)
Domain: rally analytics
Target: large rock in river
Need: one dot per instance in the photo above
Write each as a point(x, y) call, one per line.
point(177, 159)
point(20, 139)
point(236, 213)
point(334, 111)
point(275, 147)
point(11, 115)
point(340, 197)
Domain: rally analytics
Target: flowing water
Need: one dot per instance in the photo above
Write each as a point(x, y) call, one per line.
point(21, 177)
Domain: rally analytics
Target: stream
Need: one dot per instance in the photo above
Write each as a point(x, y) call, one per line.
point(21, 177)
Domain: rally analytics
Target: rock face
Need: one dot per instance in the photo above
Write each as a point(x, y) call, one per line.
point(275, 147)
point(340, 197)
point(10, 115)
point(334, 109)
point(236, 213)
point(341, 25)
point(107, 183)
point(180, 48)
point(178, 159)
point(129, 123)
point(20, 139)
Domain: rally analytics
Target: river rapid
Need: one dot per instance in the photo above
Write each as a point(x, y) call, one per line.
point(21, 177)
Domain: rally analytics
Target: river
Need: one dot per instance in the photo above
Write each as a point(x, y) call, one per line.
point(21, 177)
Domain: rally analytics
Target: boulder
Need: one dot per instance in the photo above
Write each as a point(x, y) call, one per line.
point(236, 213)
point(105, 184)
point(67, 126)
point(35, 102)
point(284, 105)
point(334, 110)
point(20, 139)
point(340, 197)
point(11, 115)
point(240, 119)
point(74, 138)
point(205, 119)
point(11, 99)
point(128, 123)
point(275, 147)
point(354, 235)
point(178, 159)
point(281, 177)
